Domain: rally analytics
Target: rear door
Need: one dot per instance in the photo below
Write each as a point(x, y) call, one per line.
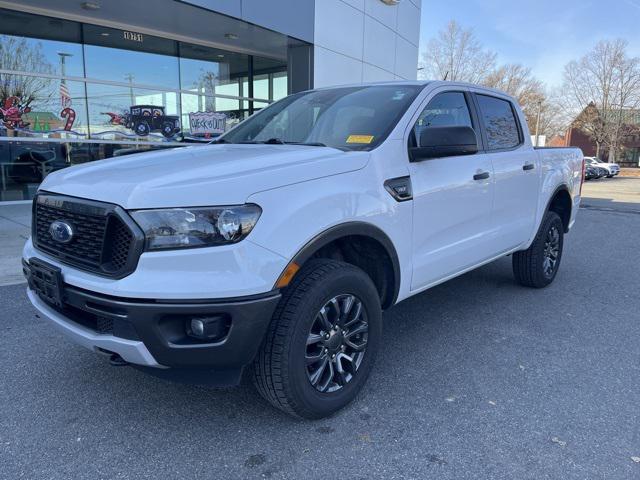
point(516, 171)
point(452, 196)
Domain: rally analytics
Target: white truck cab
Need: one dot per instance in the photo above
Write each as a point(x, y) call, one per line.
point(273, 250)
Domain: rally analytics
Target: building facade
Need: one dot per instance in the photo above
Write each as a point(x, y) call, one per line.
point(577, 135)
point(88, 80)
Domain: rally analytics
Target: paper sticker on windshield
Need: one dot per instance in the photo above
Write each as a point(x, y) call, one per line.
point(360, 139)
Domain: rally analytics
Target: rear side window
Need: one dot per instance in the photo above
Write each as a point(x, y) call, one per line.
point(500, 123)
point(448, 109)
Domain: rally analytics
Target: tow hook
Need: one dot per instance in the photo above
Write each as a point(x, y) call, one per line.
point(114, 359)
point(117, 361)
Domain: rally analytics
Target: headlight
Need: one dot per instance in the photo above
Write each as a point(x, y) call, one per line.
point(196, 227)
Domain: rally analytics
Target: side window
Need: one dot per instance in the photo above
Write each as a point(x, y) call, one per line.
point(500, 122)
point(448, 109)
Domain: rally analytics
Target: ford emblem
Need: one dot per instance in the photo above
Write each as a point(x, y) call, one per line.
point(61, 231)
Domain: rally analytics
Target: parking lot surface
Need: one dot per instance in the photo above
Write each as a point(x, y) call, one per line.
point(476, 378)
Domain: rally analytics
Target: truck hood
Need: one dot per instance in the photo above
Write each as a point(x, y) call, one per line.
point(200, 175)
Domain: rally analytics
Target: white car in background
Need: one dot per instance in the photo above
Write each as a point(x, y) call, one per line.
point(612, 168)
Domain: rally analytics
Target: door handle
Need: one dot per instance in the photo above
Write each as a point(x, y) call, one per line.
point(528, 166)
point(481, 176)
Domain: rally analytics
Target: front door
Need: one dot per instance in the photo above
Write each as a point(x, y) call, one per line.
point(452, 199)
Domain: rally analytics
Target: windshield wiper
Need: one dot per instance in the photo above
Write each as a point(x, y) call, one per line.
point(271, 141)
point(308, 144)
point(279, 141)
point(219, 140)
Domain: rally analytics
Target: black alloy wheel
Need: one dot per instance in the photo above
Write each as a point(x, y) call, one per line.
point(551, 251)
point(337, 343)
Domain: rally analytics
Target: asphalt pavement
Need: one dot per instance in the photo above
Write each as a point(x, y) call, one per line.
point(477, 378)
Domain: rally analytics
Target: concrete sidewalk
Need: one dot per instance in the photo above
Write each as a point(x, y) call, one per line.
point(15, 227)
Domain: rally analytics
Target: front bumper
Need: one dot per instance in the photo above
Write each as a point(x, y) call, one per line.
point(152, 333)
point(130, 350)
point(227, 271)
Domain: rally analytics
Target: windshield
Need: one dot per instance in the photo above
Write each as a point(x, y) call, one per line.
point(349, 118)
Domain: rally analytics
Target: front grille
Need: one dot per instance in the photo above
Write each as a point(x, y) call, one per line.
point(104, 325)
point(104, 241)
point(86, 247)
point(120, 242)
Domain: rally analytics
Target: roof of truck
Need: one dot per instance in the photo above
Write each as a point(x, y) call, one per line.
point(423, 83)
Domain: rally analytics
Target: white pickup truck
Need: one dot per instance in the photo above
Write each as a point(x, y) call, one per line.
point(274, 250)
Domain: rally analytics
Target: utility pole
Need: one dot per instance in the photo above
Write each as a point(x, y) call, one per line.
point(63, 71)
point(64, 92)
point(129, 77)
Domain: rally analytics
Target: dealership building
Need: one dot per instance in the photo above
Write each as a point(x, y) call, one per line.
point(88, 80)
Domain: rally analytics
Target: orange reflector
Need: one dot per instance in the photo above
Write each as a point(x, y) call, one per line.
point(287, 275)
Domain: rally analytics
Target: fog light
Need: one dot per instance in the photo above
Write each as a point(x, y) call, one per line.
point(197, 327)
point(207, 328)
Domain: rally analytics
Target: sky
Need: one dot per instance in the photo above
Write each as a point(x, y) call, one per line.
point(541, 34)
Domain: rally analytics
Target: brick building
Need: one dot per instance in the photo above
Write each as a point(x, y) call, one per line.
point(575, 136)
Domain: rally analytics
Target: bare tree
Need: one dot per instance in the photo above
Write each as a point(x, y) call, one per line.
point(17, 54)
point(555, 117)
point(455, 54)
point(627, 101)
point(603, 85)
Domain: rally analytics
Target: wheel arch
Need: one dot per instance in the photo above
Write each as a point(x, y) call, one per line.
point(560, 202)
point(363, 245)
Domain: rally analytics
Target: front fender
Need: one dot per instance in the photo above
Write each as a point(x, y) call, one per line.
point(295, 215)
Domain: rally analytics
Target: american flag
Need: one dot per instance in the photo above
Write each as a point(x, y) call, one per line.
point(65, 98)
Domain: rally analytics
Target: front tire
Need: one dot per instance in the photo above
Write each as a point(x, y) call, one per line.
point(538, 265)
point(306, 366)
point(142, 129)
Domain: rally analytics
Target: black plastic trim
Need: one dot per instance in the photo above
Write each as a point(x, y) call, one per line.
point(473, 114)
point(90, 207)
point(391, 185)
point(558, 189)
point(160, 325)
point(348, 229)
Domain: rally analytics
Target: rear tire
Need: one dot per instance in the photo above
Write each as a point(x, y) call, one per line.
point(285, 370)
point(538, 265)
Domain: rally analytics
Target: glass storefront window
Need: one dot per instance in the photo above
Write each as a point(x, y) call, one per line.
point(204, 68)
point(72, 93)
point(23, 165)
point(42, 107)
point(117, 112)
point(280, 85)
point(40, 56)
point(209, 73)
point(204, 117)
point(261, 86)
point(122, 56)
point(269, 79)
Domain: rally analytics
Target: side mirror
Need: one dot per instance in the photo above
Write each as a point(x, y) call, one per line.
point(436, 142)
